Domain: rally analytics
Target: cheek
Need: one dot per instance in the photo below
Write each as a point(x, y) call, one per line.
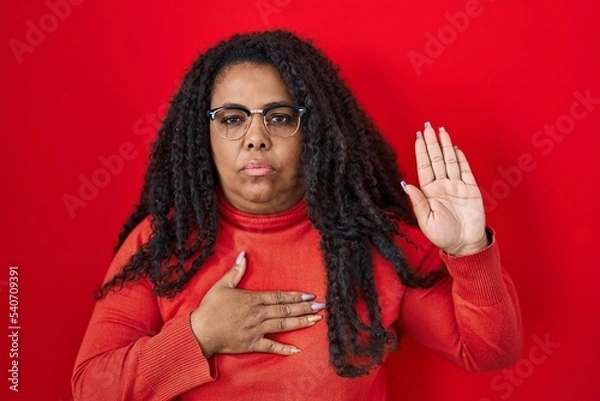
point(294, 155)
point(221, 154)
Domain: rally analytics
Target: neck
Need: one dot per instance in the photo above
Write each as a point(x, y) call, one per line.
point(277, 204)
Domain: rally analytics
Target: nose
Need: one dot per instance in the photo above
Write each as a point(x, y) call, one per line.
point(257, 137)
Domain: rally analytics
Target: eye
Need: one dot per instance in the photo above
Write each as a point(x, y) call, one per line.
point(231, 118)
point(280, 119)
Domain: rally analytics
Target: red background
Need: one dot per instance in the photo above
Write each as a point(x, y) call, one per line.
point(98, 79)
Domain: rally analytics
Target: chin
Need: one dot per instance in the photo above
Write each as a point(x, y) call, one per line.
point(257, 192)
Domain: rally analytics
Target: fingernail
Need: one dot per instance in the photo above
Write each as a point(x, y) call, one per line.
point(442, 129)
point(419, 135)
point(455, 147)
point(308, 297)
point(427, 124)
point(294, 350)
point(404, 186)
point(240, 258)
point(317, 306)
point(314, 318)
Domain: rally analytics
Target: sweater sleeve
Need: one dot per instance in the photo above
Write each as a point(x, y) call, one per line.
point(128, 353)
point(472, 316)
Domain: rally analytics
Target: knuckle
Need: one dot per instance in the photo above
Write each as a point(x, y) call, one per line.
point(436, 158)
point(271, 347)
point(257, 312)
point(278, 295)
point(285, 310)
point(282, 324)
point(254, 298)
point(252, 345)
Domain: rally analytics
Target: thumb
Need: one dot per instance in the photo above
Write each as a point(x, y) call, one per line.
point(419, 201)
point(233, 277)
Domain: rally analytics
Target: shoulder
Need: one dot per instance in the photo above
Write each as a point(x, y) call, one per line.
point(138, 236)
point(143, 230)
point(140, 233)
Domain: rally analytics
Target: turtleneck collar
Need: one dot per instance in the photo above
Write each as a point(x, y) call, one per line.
point(260, 222)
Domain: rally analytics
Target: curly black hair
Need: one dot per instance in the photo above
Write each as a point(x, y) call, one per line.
point(351, 181)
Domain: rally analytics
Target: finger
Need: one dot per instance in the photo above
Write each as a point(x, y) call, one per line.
point(434, 151)
point(424, 169)
point(273, 347)
point(289, 323)
point(279, 297)
point(233, 277)
point(419, 202)
point(465, 170)
point(291, 310)
point(450, 159)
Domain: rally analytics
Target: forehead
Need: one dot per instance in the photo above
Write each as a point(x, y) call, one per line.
point(249, 84)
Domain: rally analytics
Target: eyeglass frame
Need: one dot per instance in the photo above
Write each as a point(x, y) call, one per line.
point(250, 112)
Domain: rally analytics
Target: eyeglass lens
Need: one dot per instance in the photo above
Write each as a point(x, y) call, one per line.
point(280, 121)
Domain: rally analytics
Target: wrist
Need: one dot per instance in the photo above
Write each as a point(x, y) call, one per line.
point(470, 249)
point(203, 341)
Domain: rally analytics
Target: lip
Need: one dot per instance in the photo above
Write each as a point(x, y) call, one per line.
point(258, 168)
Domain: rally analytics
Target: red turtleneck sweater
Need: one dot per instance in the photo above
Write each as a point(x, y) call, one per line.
point(140, 347)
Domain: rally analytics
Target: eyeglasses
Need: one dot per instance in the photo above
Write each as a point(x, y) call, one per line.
point(281, 120)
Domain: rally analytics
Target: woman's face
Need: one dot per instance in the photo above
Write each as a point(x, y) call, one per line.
point(259, 173)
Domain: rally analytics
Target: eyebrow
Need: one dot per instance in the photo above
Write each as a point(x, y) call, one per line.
point(279, 103)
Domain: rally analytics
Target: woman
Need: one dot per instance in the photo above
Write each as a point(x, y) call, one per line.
point(274, 253)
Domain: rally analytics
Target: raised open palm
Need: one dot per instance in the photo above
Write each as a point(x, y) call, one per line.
point(448, 205)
